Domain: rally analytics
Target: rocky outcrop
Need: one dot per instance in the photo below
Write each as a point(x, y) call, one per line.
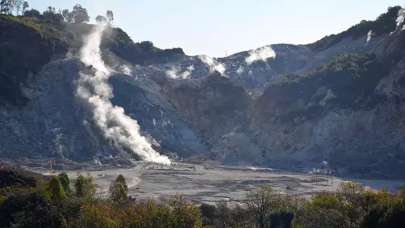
point(24, 49)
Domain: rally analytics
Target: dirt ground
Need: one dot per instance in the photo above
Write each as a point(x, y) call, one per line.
point(211, 184)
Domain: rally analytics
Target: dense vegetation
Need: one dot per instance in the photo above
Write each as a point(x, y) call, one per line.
point(58, 202)
point(347, 82)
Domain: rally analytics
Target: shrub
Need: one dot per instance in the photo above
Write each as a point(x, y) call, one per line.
point(55, 191)
point(85, 187)
point(119, 190)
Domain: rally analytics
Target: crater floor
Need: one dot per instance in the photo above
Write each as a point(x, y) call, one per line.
point(210, 183)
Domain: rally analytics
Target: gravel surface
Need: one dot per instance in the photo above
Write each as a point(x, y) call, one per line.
point(213, 183)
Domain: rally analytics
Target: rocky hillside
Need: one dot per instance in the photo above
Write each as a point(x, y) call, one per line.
point(338, 102)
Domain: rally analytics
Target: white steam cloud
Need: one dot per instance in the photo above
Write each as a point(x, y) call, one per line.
point(125, 69)
point(93, 88)
point(401, 18)
point(240, 70)
point(370, 35)
point(176, 73)
point(260, 54)
point(213, 64)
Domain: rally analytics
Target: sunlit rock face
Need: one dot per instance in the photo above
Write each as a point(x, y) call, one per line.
point(339, 100)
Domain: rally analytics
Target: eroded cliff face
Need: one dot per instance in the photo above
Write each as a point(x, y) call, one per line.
point(339, 100)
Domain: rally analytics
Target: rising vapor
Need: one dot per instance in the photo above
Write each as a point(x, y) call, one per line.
point(213, 64)
point(176, 72)
point(93, 88)
point(401, 19)
point(260, 54)
point(370, 35)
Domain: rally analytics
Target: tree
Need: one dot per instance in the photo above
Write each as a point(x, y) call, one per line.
point(85, 187)
point(6, 6)
point(55, 190)
point(32, 13)
point(26, 5)
point(51, 16)
point(110, 16)
point(324, 210)
point(281, 219)
point(101, 19)
point(79, 14)
point(67, 16)
point(262, 203)
point(29, 210)
point(119, 190)
point(18, 6)
point(64, 180)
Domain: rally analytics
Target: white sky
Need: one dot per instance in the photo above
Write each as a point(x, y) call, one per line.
point(220, 27)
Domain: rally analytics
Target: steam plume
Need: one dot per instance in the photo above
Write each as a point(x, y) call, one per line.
point(213, 64)
point(176, 73)
point(93, 88)
point(401, 19)
point(260, 54)
point(370, 35)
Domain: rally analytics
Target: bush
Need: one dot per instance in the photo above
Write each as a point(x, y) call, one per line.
point(33, 13)
point(29, 210)
point(65, 181)
point(55, 191)
point(85, 187)
point(119, 190)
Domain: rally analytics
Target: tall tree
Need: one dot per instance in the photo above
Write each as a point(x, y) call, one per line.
point(6, 6)
point(85, 187)
point(18, 6)
point(110, 16)
point(51, 16)
point(262, 203)
point(26, 5)
point(80, 14)
point(67, 16)
point(65, 182)
point(32, 13)
point(101, 19)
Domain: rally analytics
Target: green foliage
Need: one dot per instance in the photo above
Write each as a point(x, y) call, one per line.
point(14, 178)
point(281, 219)
point(65, 182)
point(42, 27)
point(143, 53)
point(176, 214)
point(55, 190)
point(79, 14)
point(97, 215)
point(6, 6)
point(52, 17)
point(33, 13)
point(119, 190)
point(29, 210)
point(386, 211)
point(85, 187)
point(348, 81)
point(266, 203)
point(350, 207)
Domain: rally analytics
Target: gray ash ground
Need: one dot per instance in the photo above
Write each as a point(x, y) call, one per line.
point(210, 183)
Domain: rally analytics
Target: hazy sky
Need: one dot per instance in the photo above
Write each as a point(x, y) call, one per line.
point(220, 27)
